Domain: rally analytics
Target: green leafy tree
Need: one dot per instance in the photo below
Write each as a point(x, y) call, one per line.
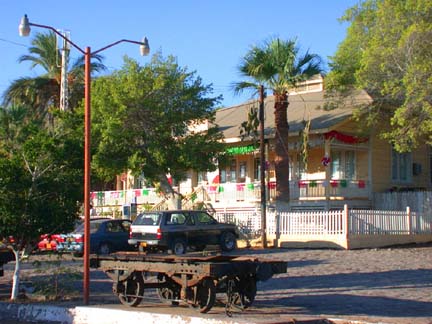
point(278, 65)
point(144, 118)
point(43, 92)
point(387, 52)
point(40, 180)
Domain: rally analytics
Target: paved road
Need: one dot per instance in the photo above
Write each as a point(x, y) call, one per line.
point(392, 285)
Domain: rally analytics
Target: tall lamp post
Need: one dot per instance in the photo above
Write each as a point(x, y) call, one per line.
point(24, 30)
point(262, 170)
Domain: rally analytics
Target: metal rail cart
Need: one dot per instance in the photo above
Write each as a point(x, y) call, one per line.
point(191, 279)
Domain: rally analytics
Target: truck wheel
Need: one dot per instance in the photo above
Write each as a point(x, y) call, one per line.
point(178, 246)
point(228, 241)
point(131, 290)
point(205, 296)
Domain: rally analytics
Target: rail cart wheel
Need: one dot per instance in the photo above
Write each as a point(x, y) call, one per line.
point(228, 241)
point(131, 290)
point(204, 296)
point(169, 294)
point(247, 291)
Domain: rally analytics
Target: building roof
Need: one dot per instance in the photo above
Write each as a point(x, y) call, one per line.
point(302, 108)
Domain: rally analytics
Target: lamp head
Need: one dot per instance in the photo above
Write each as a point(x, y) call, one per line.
point(24, 26)
point(144, 47)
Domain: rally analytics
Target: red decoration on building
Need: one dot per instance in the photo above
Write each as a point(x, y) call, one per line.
point(325, 160)
point(302, 184)
point(216, 179)
point(345, 138)
point(272, 185)
point(240, 186)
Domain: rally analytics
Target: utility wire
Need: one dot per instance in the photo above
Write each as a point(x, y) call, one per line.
point(12, 42)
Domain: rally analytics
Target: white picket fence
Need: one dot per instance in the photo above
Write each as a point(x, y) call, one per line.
point(348, 224)
point(419, 201)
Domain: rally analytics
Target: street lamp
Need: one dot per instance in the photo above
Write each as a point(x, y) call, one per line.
point(262, 170)
point(24, 30)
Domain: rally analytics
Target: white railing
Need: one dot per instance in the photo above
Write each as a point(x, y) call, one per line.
point(337, 222)
point(332, 188)
point(299, 189)
point(231, 194)
point(248, 222)
point(389, 222)
point(309, 223)
point(121, 197)
point(419, 201)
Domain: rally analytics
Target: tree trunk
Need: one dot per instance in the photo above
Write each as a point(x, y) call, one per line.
point(174, 198)
point(282, 157)
point(16, 276)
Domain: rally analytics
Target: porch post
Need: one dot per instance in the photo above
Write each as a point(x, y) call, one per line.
point(327, 174)
point(369, 184)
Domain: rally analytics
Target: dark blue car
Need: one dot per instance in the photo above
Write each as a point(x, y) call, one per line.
point(106, 236)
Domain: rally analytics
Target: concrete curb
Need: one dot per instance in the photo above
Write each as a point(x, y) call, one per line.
point(113, 316)
point(94, 314)
point(99, 314)
point(30, 312)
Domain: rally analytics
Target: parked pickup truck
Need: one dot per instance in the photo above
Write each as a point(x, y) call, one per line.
point(176, 230)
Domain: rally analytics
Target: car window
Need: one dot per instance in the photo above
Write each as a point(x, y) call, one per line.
point(190, 219)
point(175, 219)
point(125, 226)
point(147, 219)
point(114, 227)
point(93, 228)
point(205, 218)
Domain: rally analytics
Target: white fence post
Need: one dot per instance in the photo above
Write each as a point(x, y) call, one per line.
point(346, 225)
point(408, 212)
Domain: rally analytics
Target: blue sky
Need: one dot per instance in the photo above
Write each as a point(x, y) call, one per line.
point(208, 37)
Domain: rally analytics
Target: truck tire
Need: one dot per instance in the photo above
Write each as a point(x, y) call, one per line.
point(178, 246)
point(228, 241)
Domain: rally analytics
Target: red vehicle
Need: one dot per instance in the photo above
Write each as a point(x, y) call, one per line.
point(49, 242)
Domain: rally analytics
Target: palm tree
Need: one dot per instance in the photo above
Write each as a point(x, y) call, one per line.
point(277, 65)
point(43, 92)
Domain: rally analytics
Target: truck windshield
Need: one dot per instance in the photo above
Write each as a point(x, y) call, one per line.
point(147, 219)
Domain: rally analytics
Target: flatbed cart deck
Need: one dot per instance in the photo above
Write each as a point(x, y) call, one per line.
point(191, 279)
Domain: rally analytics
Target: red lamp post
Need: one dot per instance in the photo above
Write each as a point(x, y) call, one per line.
point(24, 30)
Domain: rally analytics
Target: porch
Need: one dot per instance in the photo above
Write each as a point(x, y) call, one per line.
point(308, 194)
point(305, 194)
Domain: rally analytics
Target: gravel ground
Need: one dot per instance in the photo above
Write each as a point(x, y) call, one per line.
point(391, 285)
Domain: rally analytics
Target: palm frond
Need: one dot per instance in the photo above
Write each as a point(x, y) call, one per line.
point(44, 53)
point(239, 87)
point(277, 65)
point(38, 93)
